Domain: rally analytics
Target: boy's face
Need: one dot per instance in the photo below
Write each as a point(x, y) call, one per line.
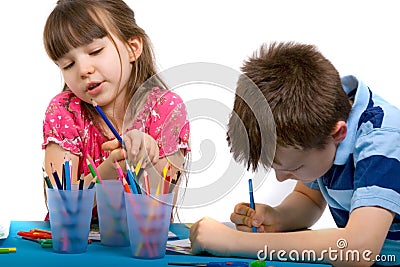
point(305, 166)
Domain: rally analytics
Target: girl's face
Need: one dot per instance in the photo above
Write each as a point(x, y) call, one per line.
point(98, 71)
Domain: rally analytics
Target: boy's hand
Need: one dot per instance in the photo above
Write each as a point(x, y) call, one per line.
point(138, 145)
point(265, 218)
point(208, 235)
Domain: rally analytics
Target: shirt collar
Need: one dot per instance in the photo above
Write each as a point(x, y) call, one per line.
point(361, 99)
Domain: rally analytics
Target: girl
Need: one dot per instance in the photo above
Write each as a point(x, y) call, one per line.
point(104, 56)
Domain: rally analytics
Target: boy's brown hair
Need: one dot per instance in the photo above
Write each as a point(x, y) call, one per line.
point(304, 93)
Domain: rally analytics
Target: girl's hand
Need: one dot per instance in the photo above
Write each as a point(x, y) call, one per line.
point(115, 149)
point(208, 235)
point(138, 145)
point(117, 154)
point(265, 218)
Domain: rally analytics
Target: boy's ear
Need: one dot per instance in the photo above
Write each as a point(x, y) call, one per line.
point(135, 48)
point(339, 131)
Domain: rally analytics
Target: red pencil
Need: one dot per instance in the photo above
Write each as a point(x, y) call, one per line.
point(126, 186)
point(146, 183)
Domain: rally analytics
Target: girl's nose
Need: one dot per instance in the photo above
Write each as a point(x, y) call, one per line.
point(85, 68)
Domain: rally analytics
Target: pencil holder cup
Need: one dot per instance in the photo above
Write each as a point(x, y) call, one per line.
point(70, 214)
point(148, 220)
point(112, 213)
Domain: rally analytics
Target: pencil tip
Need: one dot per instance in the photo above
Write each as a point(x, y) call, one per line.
point(93, 102)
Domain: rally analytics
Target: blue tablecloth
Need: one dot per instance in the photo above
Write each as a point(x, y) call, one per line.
point(32, 254)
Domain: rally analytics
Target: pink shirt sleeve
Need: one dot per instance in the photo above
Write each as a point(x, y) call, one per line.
point(62, 123)
point(67, 125)
point(169, 124)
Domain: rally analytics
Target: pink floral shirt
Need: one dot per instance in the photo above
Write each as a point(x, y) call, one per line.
point(163, 117)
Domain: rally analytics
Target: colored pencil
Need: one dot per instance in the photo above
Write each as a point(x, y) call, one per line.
point(7, 250)
point(56, 177)
point(47, 179)
point(81, 181)
point(92, 172)
point(136, 179)
point(174, 182)
point(158, 188)
point(178, 175)
point(63, 177)
point(107, 121)
point(139, 165)
point(126, 186)
point(37, 230)
point(252, 205)
point(146, 183)
point(67, 175)
point(131, 179)
point(166, 179)
point(135, 187)
point(92, 183)
point(48, 183)
point(93, 169)
point(119, 170)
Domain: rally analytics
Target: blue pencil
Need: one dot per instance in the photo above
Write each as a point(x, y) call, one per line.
point(131, 178)
point(107, 121)
point(67, 176)
point(56, 177)
point(252, 205)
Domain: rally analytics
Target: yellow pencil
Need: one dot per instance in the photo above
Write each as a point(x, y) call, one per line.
point(158, 189)
point(139, 165)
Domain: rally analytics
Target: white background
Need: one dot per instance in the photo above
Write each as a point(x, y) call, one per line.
point(359, 37)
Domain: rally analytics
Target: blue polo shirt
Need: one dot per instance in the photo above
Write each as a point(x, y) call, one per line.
point(366, 169)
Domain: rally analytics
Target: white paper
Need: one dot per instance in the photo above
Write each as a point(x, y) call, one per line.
point(4, 228)
point(180, 246)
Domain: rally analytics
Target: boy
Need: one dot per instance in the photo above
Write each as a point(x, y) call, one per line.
point(339, 141)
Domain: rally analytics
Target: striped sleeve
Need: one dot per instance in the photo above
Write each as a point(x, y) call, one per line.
point(377, 161)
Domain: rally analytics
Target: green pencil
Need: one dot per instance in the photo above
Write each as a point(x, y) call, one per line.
point(48, 183)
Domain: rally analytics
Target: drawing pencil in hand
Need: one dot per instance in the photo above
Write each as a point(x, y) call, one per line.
point(252, 205)
point(107, 121)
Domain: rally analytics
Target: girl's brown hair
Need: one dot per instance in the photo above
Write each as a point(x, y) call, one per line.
point(74, 23)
